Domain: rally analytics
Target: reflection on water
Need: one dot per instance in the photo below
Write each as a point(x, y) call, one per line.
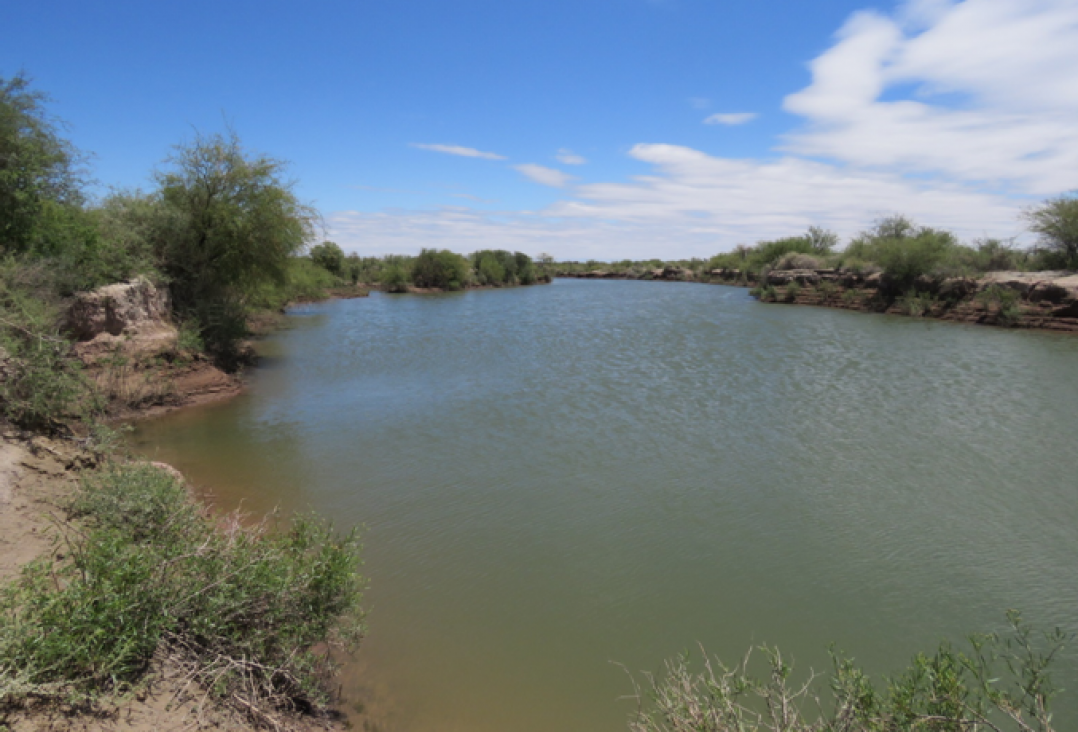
point(554, 478)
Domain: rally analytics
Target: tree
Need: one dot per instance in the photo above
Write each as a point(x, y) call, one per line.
point(229, 222)
point(39, 180)
point(1056, 223)
point(329, 257)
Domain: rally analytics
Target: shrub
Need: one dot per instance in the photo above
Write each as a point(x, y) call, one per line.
point(1005, 300)
point(795, 260)
point(916, 304)
point(904, 250)
point(793, 289)
point(329, 257)
point(394, 279)
point(442, 269)
point(827, 290)
point(41, 385)
point(240, 608)
point(999, 683)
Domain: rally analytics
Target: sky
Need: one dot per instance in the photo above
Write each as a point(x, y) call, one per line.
point(585, 129)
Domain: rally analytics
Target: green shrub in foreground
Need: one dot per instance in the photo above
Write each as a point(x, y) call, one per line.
point(240, 608)
point(999, 684)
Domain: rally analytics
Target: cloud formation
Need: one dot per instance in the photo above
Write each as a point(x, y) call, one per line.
point(730, 118)
point(568, 157)
point(957, 114)
point(543, 175)
point(994, 94)
point(464, 152)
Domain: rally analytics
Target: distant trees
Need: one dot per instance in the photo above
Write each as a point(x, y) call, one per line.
point(1056, 223)
point(329, 257)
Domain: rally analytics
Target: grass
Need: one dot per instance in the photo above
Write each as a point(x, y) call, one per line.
point(149, 577)
point(997, 684)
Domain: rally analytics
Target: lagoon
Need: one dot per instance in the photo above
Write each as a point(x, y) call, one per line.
point(555, 482)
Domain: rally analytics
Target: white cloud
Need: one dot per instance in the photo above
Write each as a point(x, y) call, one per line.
point(544, 176)
point(730, 118)
point(957, 114)
point(994, 96)
point(690, 204)
point(464, 152)
point(568, 157)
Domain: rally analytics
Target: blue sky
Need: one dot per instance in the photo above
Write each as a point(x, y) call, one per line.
point(588, 129)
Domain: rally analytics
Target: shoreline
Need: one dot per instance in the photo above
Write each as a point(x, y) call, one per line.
point(965, 303)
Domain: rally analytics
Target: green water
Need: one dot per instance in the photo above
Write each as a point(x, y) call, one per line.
point(556, 480)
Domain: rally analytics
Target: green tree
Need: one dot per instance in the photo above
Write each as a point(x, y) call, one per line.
point(444, 269)
point(1056, 223)
point(228, 222)
point(329, 257)
point(40, 186)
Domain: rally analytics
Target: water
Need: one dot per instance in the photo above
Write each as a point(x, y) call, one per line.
point(557, 480)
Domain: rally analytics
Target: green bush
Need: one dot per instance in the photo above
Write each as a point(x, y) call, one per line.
point(394, 278)
point(442, 269)
point(329, 257)
point(1001, 683)
point(904, 250)
point(793, 289)
point(240, 608)
point(41, 384)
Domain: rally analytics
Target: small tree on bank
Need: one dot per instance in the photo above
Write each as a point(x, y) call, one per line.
point(229, 222)
point(1056, 223)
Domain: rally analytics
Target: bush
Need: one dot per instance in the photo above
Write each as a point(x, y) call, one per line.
point(999, 683)
point(904, 250)
point(441, 269)
point(241, 608)
point(41, 385)
point(796, 260)
point(793, 289)
point(916, 303)
point(393, 278)
point(329, 257)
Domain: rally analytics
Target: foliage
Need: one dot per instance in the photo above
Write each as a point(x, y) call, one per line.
point(240, 608)
point(904, 250)
point(827, 290)
point(1001, 683)
point(304, 281)
point(329, 257)
point(793, 289)
point(39, 181)
point(916, 303)
point(40, 384)
point(1005, 302)
point(394, 278)
point(498, 267)
point(1056, 223)
point(442, 269)
point(228, 223)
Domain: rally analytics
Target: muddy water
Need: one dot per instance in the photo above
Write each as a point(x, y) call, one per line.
point(557, 480)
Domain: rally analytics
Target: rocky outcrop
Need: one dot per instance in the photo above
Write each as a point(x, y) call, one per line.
point(130, 318)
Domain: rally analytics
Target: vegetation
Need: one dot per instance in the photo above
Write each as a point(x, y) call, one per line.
point(1056, 223)
point(445, 270)
point(999, 684)
point(239, 608)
